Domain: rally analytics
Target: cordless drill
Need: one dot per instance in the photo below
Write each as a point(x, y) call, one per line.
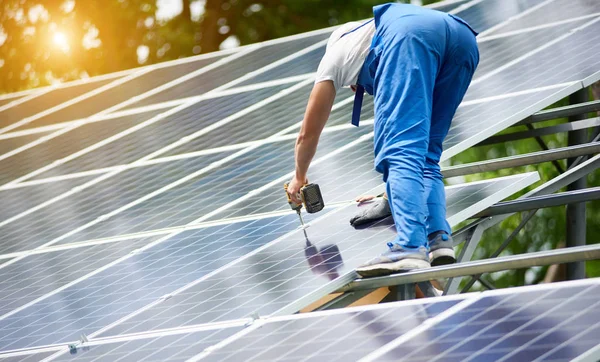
point(311, 197)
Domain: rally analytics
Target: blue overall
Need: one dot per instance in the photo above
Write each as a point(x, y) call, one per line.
point(418, 69)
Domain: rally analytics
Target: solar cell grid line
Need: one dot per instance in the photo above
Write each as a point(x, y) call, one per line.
point(66, 103)
point(17, 201)
point(9, 144)
point(265, 55)
point(476, 122)
point(93, 202)
point(482, 15)
point(138, 72)
point(282, 278)
point(27, 358)
point(496, 52)
point(338, 335)
point(158, 133)
point(136, 85)
point(578, 63)
point(199, 197)
point(24, 282)
point(44, 100)
point(551, 11)
point(134, 281)
point(176, 347)
point(515, 18)
point(71, 141)
point(551, 44)
point(525, 30)
point(510, 318)
point(282, 115)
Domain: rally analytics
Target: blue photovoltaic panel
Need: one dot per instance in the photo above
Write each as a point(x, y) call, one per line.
point(551, 12)
point(306, 63)
point(10, 144)
point(94, 201)
point(482, 15)
point(552, 324)
point(173, 348)
point(571, 59)
point(497, 52)
point(96, 302)
point(278, 278)
point(330, 336)
point(201, 195)
point(239, 67)
point(478, 121)
point(27, 358)
point(66, 144)
point(38, 274)
point(48, 100)
point(131, 88)
point(164, 132)
point(23, 199)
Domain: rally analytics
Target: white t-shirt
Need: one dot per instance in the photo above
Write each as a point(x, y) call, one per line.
point(345, 56)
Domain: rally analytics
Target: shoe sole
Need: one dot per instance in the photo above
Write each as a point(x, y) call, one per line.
point(391, 268)
point(442, 256)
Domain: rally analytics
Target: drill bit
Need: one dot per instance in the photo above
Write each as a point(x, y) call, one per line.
point(302, 222)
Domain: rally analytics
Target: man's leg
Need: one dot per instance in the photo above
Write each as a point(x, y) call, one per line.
point(450, 87)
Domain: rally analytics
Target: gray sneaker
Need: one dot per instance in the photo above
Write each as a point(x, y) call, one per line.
point(441, 250)
point(397, 259)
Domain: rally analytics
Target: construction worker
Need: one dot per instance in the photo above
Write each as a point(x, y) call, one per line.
point(417, 63)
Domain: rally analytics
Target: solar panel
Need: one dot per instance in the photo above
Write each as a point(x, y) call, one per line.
point(139, 82)
point(52, 97)
point(280, 278)
point(237, 68)
point(341, 335)
point(64, 143)
point(482, 15)
point(551, 12)
point(141, 279)
point(557, 322)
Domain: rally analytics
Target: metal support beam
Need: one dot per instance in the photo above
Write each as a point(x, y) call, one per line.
point(541, 202)
point(544, 147)
point(537, 132)
point(345, 299)
point(561, 112)
point(542, 258)
point(521, 160)
point(576, 216)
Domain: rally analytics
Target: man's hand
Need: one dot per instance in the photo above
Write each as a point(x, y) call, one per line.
point(294, 189)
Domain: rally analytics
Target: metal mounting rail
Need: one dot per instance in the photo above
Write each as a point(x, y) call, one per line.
point(542, 258)
point(540, 202)
point(562, 112)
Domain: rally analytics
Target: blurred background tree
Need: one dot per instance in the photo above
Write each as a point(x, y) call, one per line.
point(46, 41)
